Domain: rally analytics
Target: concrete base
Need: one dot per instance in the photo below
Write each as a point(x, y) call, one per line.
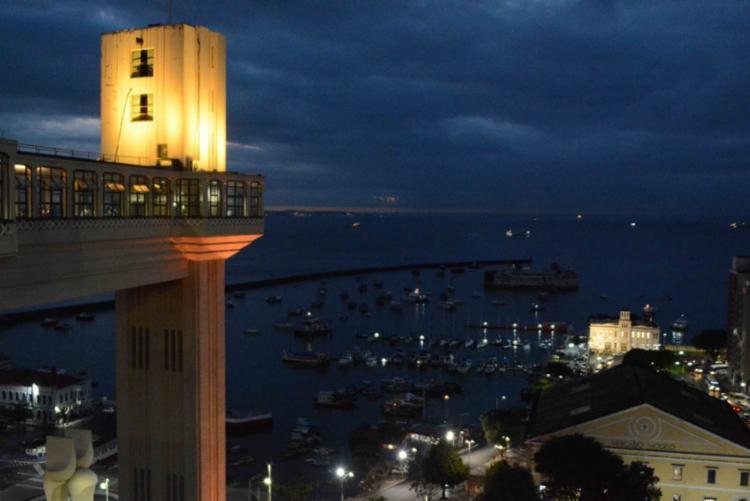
point(171, 388)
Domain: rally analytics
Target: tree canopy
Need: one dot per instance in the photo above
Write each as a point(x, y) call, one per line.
point(650, 359)
point(579, 468)
point(443, 466)
point(712, 340)
point(503, 422)
point(505, 482)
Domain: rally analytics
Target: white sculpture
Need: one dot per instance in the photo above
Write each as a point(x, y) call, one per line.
point(68, 462)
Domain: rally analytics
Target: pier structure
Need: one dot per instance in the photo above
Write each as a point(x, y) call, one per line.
point(152, 218)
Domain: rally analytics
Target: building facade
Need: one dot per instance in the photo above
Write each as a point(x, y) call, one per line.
point(738, 327)
point(615, 336)
point(697, 446)
point(50, 397)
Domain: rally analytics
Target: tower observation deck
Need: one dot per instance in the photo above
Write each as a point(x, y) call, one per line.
point(153, 217)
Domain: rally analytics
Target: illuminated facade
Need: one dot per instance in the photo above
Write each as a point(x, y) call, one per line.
point(698, 447)
point(738, 349)
point(615, 336)
point(163, 96)
point(153, 217)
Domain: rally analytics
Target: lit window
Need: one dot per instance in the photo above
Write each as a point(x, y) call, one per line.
point(142, 108)
point(160, 197)
point(235, 198)
point(113, 188)
point(84, 193)
point(52, 187)
point(711, 476)
point(142, 63)
point(23, 191)
point(214, 198)
point(677, 471)
point(744, 478)
point(137, 197)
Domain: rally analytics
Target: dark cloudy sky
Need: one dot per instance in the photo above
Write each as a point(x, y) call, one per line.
point(631, 106)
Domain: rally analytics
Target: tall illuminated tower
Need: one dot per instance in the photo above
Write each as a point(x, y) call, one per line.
point(163, 96)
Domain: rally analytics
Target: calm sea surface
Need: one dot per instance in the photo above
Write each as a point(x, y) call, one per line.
point(678, 267)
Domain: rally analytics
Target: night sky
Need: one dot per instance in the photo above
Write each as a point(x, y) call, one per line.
point(635, 107)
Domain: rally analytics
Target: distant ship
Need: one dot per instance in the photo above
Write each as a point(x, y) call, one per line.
point(523, 234)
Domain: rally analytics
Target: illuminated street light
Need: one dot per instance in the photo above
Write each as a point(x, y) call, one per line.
point(342, 474)
point(104, 485)
point(268, 481)
point(402, 455)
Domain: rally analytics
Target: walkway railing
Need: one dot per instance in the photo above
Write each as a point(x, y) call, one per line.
point(85, 155)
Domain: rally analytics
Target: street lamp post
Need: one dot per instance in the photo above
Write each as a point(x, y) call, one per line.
point(446, 399)
point(268, 482)
point(104, 485)
point(342, 474)
point(469, 442)
point(402, 456)
point(450, 437)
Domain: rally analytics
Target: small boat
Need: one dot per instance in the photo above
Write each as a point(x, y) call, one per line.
point(498, 302)
point(522, 234)
point(416, 296)
point(469, 343)
point(62, 326)
point(313, 327)
point(356, 224)
point(297, 312)
point(334, 399)
point(49, 322)
point(603, 295)
point(85, 316)
point(283, 325)
point(482, 343)
point(371, 361)
point(305, 359)
point(346, 360)
point(273, 299)
point(447, 305)
point(252, 332)
point(238, 423)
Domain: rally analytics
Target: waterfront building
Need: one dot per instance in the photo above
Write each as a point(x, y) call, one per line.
point(698, 447)
point(153, 218)
point(617, 335)
point(738, 328)
point(50, 396)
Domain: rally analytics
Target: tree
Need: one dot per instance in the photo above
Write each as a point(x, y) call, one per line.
point(443, 466)
point(505, 482)
point(295, 491)
point(595, 474)
point(650, 359)
point(555, 369)
point(498, 423)
point(712, 341)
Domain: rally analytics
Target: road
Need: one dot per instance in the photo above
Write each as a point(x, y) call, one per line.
point(399, 490)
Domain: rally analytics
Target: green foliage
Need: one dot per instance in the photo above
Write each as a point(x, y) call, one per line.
point(578, 468)
point(650, 359)
point(294, 491)
point(713, 341)
point(499, 422)
point(443, 466)
point(505, 482)
point(555, 369)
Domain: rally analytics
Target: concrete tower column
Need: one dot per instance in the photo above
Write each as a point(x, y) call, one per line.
point(171, 387)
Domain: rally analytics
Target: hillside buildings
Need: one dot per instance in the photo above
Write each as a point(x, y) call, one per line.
point(738, 328)
point(696, 444)
point(614, 336)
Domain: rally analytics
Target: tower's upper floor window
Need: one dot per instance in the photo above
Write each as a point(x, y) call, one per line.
point(142, 108)
point(142, 63)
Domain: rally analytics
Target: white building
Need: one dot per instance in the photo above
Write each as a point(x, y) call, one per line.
point(52, 397)
point(614, 336)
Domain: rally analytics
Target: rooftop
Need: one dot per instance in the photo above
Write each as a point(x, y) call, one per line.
point(613, 319)
point(27, 377)
point(572, 403)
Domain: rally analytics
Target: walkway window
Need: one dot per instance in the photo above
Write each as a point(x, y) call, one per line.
point(113, 189)
point(235, 198)
point(256, 199)
point(214, 198)
point(160, 197)
point(137, 198)
point(142, 63)
point(4, 164)
point(142, 108)
point(187, 197)
point(23, 191)
point(52, 187)
point(677, 470)
point(84, 193)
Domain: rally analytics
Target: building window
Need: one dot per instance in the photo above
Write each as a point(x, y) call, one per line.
point(137, 195)
point(214, 198)
point(23, 191)
point(744, 478)
point(113, 189)
point(52, 187)
point(235, 198)
point(256, 199)
point(4, 164)
point(84, 193)
point(677, 470)
point(142, 63)
point(160, 197)
point(711, 476)
point(142, 108)
point(187, 197)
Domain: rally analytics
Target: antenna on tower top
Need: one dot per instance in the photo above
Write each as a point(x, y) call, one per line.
point(169, 20)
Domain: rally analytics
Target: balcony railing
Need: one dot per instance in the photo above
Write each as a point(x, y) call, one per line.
point(87, 155)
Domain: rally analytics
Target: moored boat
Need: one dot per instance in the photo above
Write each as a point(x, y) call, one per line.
point(238, 423)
